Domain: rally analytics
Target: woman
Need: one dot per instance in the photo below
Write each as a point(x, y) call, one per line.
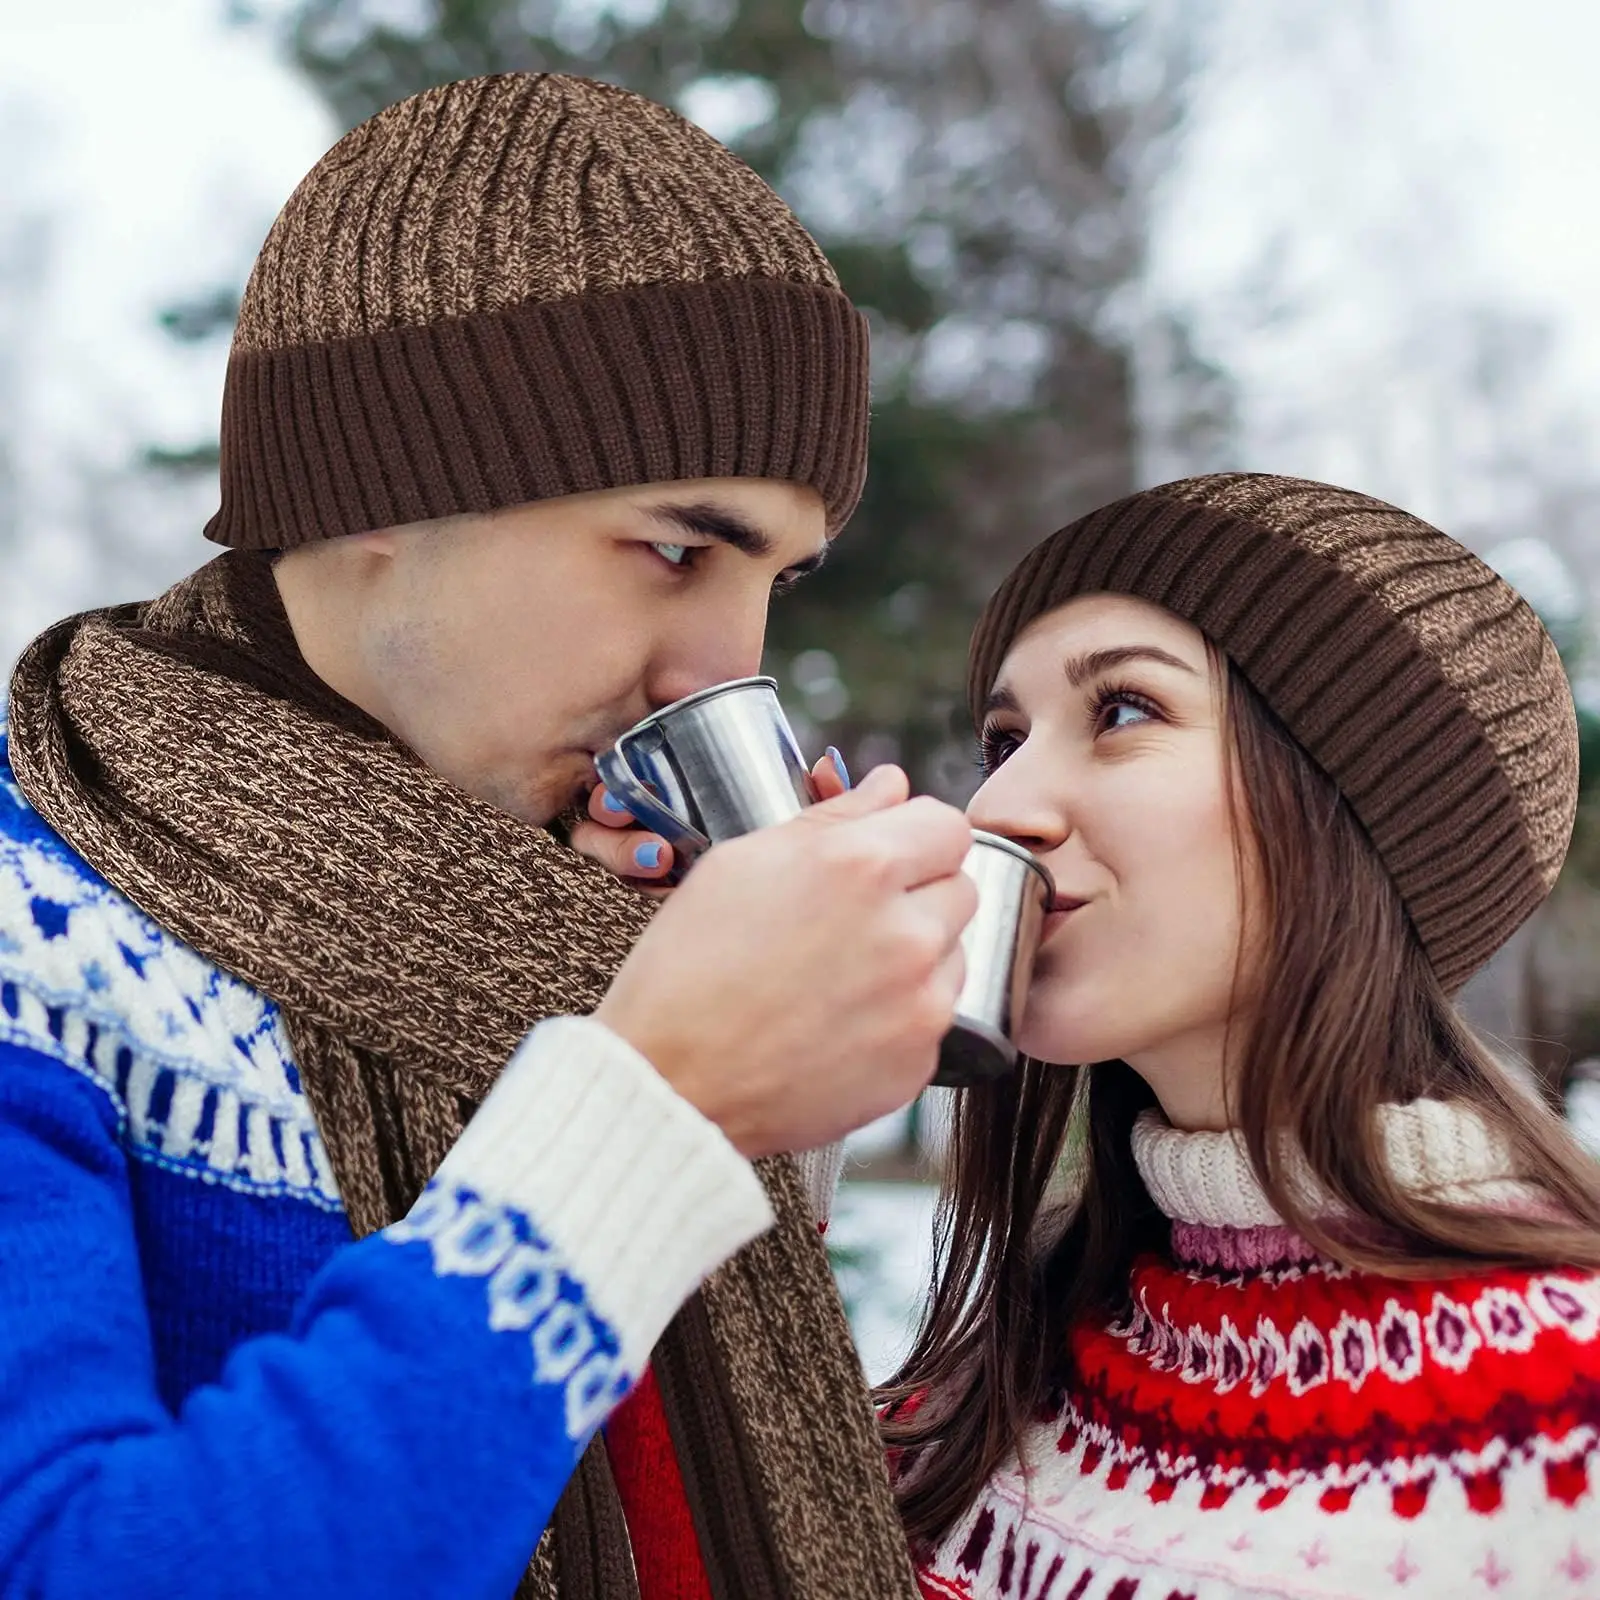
point(1314, 1311)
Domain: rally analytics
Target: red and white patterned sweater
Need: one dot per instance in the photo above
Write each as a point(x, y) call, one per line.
point(1265, 1423)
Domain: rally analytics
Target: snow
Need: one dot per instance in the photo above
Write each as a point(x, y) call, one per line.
point(881, 1241)
point(1583, 1111)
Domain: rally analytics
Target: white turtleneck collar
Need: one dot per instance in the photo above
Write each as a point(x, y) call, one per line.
point(1437, 1147)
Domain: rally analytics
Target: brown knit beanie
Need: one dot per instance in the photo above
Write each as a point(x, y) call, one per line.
point(524, 286)
point(1422, 683)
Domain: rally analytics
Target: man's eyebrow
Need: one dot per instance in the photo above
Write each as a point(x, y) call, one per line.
point(727, 527)
point(1093, 663)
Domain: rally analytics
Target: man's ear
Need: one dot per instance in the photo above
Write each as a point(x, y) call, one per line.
point(377, 542)
point(332, 571)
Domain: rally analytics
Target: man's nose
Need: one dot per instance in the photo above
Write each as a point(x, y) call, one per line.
point(719, 647)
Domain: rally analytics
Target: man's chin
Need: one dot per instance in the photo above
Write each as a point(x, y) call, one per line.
point(560, 790)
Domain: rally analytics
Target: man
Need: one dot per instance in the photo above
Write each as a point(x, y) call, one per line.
point(536, 395)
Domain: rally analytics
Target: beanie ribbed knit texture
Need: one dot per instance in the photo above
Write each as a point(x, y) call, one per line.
point(523, 286)
point(1416, 677)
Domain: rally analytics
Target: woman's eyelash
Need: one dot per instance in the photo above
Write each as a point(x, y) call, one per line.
point(1107, 695)
point(989, 754)
point(994, 744)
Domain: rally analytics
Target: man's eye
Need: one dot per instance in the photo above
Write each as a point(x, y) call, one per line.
point(677, 554)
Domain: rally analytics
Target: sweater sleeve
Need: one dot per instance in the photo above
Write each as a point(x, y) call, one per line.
point(410, 1432)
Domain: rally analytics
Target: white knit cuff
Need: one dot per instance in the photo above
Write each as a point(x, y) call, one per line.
point(640, 1195)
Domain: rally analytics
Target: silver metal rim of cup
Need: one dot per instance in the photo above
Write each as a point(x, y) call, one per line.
point(700, 695)
point(997, 841)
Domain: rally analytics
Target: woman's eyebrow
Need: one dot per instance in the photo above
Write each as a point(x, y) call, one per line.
point(1093, 663)
point(1001, 699)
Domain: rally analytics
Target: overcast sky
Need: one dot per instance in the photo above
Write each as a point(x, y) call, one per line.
point(160, 144)
point(1519, 82)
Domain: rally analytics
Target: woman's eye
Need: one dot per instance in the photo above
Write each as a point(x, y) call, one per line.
point(677, 554)
point(994, 745)
point(1113, 708)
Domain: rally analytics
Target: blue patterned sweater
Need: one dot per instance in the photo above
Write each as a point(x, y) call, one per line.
point(206, 1386)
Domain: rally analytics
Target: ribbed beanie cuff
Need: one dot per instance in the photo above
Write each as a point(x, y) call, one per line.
point(1469, 810)
point(753, 377)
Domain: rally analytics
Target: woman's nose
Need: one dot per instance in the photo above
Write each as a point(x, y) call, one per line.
point(1013, 803)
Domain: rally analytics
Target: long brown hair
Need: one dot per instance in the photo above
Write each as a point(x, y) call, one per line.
point(1350, 1016)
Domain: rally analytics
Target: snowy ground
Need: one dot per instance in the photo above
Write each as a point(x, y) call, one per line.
point(1583, 1111)
point(880, 1240)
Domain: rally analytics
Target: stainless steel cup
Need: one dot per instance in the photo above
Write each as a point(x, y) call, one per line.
point(1014, 892)
point(710, 767)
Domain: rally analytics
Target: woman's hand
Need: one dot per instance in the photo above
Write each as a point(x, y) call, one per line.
point(644, 859)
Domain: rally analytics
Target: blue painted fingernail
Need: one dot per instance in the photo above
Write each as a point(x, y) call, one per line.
point(839, 766)
point(609, 802)
point(648, 856)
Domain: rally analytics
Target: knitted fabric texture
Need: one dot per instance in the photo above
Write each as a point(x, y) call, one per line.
point(1261, 1422)
point(524, 286)
point(411, 934)
point(1206, 1178)
point(1418, 679)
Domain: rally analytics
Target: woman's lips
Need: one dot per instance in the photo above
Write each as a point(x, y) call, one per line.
point(1061, 908)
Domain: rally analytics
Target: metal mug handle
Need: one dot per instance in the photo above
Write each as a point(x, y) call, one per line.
point(618, 775)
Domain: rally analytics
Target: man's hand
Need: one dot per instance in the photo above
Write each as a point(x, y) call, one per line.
point(612, 837)
point(799, 982)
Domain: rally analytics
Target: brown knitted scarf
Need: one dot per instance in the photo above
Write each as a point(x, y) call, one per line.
point(411, 935)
